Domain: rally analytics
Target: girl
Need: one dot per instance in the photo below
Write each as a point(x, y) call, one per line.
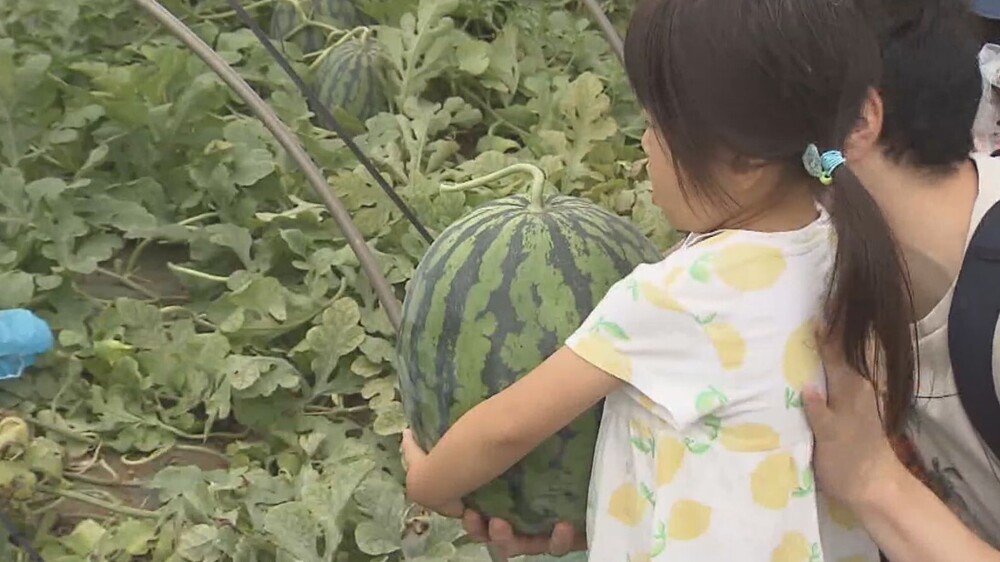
point(704, 451)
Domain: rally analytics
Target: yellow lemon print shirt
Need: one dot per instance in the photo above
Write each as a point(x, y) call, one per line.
point(705, 453)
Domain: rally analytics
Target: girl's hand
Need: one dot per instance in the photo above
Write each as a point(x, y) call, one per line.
point(853, 457)
point(413, 460)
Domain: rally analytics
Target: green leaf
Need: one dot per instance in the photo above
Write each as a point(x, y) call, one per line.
point(198, 543)
point(294, 529)
point(46, 457)
point(389, 419)
point(420, 49)
point(84, 538)
point(18, 289)
point(474, 56)
point(381, 499)
point(236, 238)
point(134, 536)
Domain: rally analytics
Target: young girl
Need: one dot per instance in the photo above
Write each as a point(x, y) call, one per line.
point(704, 451)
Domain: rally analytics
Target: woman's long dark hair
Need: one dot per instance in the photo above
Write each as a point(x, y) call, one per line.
point(762, 79)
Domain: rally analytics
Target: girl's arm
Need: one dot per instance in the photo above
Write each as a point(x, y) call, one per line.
point(498, 432)
point(856, 465)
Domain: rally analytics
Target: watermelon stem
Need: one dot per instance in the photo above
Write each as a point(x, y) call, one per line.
point(196, 274)
point(535, 194)
point(133, 260)
point(345, 36)
point(230, 13)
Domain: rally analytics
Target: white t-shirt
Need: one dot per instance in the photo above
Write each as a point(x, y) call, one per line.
point(705, 455)
point(961, 467)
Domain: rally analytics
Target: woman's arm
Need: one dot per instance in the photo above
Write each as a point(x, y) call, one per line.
point(500, 431)
point(856, 465)
point(910, 523)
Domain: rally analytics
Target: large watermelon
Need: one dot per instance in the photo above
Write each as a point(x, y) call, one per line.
point(498, 292)
point(288, 17)
point(349, 79)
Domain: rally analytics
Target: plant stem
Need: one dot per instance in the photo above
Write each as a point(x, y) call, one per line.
point(500, 119)
point(134, 258)
point(203, 450)
point(194, 316)
point(196, 274)
point(128, 283)
point(62, 431)
point(146, 459)
point(322, 411)
point(102, 481)
point(81, 497)
point(231, 13)
point(535, 195)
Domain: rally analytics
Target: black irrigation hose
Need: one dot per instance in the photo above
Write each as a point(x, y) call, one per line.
point(328, 120)
point(19, 539)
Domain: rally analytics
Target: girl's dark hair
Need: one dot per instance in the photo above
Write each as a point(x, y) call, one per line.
point(755, 82)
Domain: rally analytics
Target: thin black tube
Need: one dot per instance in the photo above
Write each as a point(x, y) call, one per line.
point(328, 120)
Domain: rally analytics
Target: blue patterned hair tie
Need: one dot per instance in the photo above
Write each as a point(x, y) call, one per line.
point(822, 166)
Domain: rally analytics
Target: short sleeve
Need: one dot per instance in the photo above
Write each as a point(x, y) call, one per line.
point(659, 330)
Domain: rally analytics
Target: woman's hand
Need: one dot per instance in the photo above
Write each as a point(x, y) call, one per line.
point(413, 459)
point(500, 535)
point(856, 465)
point(853, 456)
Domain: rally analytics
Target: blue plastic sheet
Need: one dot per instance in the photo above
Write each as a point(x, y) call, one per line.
point(23, 337)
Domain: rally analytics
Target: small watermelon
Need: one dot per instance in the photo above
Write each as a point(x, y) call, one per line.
point(498, 292)
point(349, 79)
point(288, 17)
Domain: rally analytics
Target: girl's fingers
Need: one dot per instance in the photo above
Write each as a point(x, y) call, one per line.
point(411, 451)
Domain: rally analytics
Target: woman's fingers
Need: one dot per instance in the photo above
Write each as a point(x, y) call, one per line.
point(475, 526)
point(563, 540)
point(844, 384)
point(510, 544)
point(818, 412)
point(500, 534)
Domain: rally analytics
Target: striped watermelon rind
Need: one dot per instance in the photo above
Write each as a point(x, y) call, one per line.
point(498, 292)
point(288, 17)
point(350, 78)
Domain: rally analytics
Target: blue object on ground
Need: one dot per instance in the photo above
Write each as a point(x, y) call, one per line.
point(987, 8)
point(23, 337)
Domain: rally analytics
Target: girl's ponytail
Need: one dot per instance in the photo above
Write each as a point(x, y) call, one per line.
point(870, 301)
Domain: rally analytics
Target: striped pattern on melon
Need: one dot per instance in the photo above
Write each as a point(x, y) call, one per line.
point(498, 292)
point(349, 77)
point(288, 15)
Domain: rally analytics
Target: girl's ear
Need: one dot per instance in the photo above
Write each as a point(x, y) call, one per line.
point(864, 137)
